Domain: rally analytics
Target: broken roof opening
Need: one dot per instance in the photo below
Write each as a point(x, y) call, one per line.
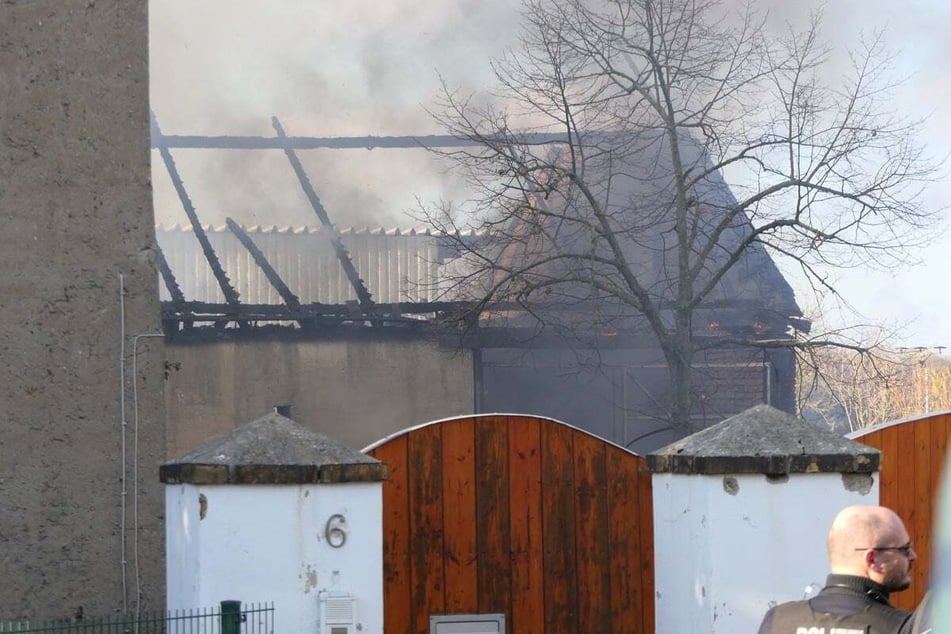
point(313, 277)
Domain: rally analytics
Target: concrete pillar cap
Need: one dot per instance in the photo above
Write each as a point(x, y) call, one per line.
point(272, 450)
point(764, 440)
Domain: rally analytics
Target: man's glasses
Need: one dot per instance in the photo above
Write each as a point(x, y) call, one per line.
point(904, 550)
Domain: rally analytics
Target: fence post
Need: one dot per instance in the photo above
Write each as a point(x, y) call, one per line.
point(230, 617)
point(763, 484)
point(324, 519)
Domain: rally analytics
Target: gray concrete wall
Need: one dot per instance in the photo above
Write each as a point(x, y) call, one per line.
point(75, 207)
point(356, 391)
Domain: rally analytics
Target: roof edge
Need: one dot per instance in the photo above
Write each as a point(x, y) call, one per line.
point(778, 464)
point(190, 473)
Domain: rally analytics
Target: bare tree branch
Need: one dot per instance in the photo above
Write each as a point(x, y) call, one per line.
point(657, 101)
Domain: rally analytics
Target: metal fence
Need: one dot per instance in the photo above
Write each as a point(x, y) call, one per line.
point(228, 618)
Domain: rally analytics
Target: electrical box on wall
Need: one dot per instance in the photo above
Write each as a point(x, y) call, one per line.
point(337, 613)
point(467, 624)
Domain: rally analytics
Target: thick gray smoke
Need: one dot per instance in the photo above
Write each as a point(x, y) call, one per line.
point(225, 67)
point(364, 67)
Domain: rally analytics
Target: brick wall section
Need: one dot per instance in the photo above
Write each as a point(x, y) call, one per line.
point(75, 207)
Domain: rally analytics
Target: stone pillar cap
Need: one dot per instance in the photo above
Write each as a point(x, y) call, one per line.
point(764, 440)
point(272, 450)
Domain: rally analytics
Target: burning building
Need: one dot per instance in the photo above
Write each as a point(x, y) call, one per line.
point(359, 329)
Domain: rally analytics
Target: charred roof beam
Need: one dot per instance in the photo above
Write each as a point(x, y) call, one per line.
point(363, 295)
point(174, 290)
point(324, 315)
point(290, 299)
point(231, 142)
point(168, 277)
point(231, 295)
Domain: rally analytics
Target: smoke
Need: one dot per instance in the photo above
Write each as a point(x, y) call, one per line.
point(225, 67)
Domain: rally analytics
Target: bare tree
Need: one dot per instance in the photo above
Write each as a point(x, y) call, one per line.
point(600, 167)
point(847, 390)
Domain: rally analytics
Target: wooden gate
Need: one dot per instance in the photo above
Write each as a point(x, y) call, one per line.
point(913, 454)
point(519, 515)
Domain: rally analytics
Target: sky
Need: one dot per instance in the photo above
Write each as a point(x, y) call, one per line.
point(365, 67)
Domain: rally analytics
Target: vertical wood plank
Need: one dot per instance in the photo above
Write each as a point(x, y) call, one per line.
point(492, 521)
point(920, 527)
point(459, 504)
point(396, 564)
point(624, 521)
point(905, 478)
point(426, 527)
point(939, 448)
point(645, 509)
point(561, 614)
point(517, 515)
point(896, 488)
point(591, 535)
point(898, 482)
point(525, 498)
point(902, 471)
point(887, 442)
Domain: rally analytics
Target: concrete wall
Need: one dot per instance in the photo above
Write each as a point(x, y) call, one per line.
point(727, 548)
point(356, 391)
point(263, 543)
point(75, 206)
point(361, 387)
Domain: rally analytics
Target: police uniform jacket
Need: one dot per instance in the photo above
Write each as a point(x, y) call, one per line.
point(847, 605)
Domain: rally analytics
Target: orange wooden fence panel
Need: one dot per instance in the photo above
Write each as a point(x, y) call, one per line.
point(520, 515)
point(913, 454)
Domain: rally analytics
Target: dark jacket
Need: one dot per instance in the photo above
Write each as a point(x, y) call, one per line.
point(847, 602)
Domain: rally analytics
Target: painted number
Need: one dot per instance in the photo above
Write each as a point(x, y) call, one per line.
point(335, 532)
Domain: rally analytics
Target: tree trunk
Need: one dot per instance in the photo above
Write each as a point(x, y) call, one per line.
point(679, 355)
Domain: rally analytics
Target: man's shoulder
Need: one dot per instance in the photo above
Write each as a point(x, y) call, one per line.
point(842, 601)
point(880, 615)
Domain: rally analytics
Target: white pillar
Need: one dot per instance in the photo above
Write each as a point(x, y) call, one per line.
point(741, 514)
point(274, 512)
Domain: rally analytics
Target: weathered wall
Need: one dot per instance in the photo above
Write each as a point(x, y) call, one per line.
point(622, 394)
point(361, 389)
point(285, 555)
point(701, 522)
point(76, 213)
point(356, 391)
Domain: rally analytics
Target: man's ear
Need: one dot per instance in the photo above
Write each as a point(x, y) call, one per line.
point(870, 557)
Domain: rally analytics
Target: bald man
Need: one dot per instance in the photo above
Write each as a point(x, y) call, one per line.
point(870, 556)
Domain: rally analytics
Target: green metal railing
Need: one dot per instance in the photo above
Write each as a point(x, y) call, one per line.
point(228, 618)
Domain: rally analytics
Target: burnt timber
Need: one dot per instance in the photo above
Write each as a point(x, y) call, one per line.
point(432, 141)
point(231, 295)
point(413, 315)
point(290, 299)
point(359, 287)
point(364, 311)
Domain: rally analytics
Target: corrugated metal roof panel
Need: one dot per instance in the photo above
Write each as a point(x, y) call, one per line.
point(396, 266)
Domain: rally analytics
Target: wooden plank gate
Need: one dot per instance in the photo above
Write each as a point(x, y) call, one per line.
point(518, 515)
point(913, 454)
